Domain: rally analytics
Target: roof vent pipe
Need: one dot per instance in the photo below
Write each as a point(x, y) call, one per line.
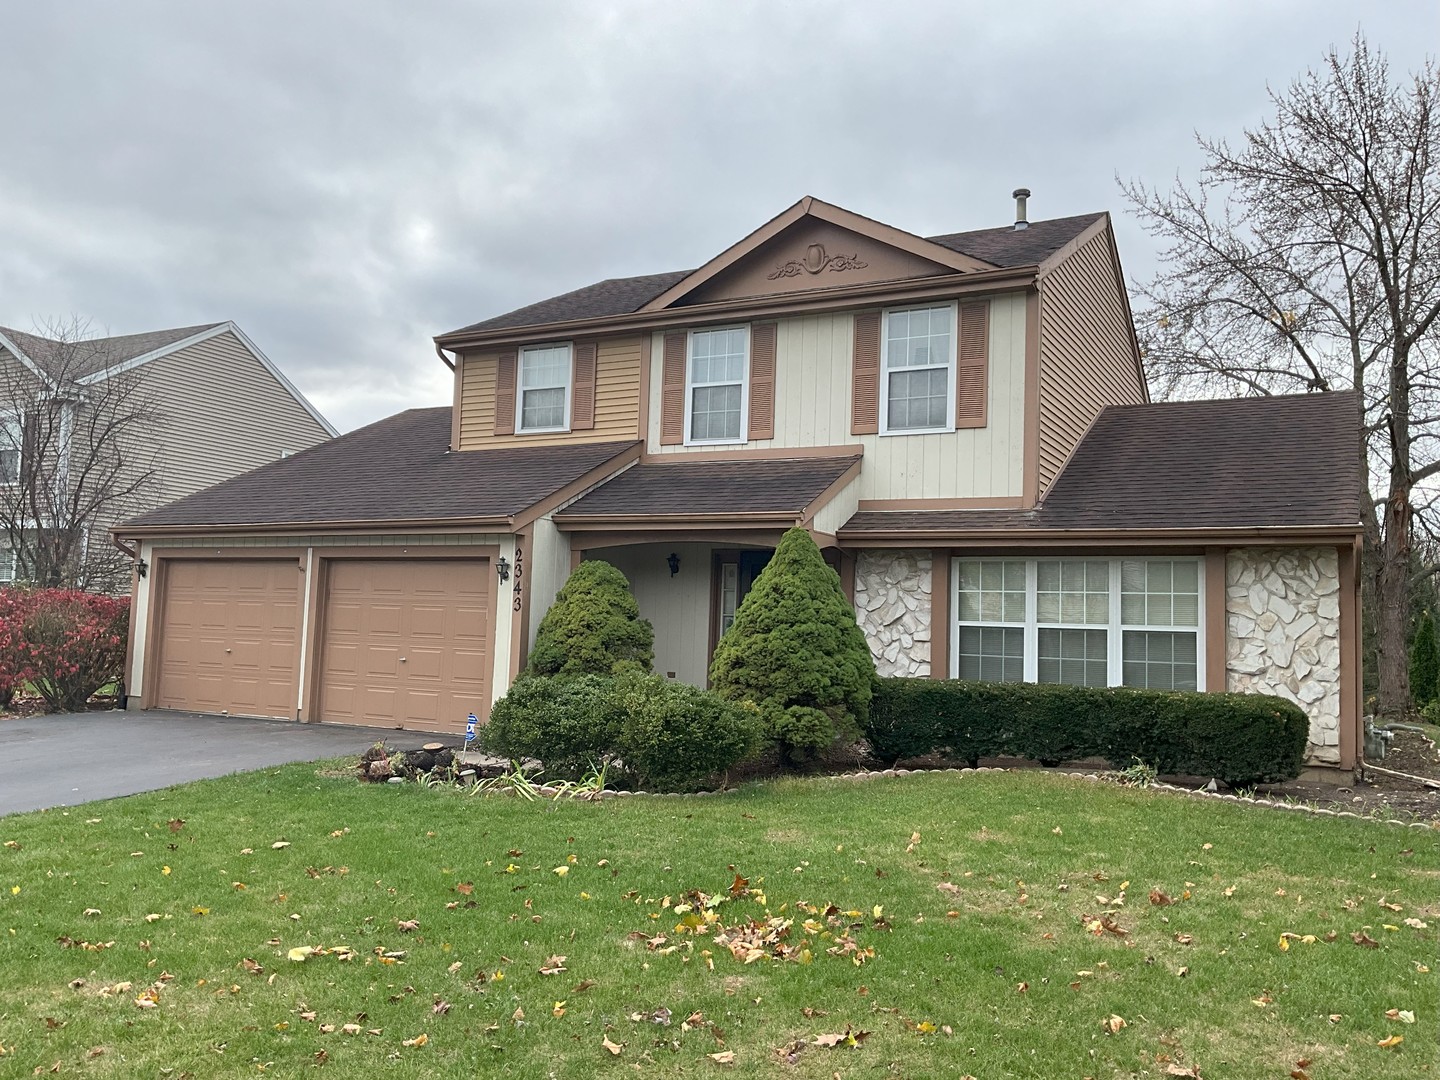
point(1020, 195)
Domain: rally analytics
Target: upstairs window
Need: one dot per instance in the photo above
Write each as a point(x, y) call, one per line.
point(12, 438)
point(543, 388)
point(715, 385)
point(918, 361)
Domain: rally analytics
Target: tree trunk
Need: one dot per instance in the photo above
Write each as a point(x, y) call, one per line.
point(1392, 628)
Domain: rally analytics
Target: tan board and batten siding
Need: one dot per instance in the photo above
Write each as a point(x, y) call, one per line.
point(206, 437)
point(813, 379)
point(1086, 355)
point(616, 408)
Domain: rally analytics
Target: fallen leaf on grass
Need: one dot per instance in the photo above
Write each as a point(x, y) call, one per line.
point(1159, 899)
point(1415, 924)
point(251, 966)
point(1176, 1069)
point(553, 966)
point(1405, 1016)
point(850, 1037)
point(278, 844)
point(1184, 939)
point(301, 953)
point(724, 1057)
point(148, 999)
point(1113, 1023)
point(1364, 940)
point(176, 824)
point(1393, 1040)
point(405, 926)
point(613, 1047)
point(418, 1040)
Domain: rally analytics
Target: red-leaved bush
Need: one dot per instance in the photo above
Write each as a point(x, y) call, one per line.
point(65, 643)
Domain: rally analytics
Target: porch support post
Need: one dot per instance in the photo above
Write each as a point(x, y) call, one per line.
point(940, 613)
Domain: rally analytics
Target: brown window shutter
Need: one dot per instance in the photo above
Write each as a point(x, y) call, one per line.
point(582, 391)
point(973, 365)
point(672, 391)
point(865, 389)
point(762, 382)
point(505, 395)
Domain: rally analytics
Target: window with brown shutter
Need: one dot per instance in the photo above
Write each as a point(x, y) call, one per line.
point(582, 399)
point(762, 381)
point(672, 390)
point(865, 381)
point(972, 365)
point(505, 395)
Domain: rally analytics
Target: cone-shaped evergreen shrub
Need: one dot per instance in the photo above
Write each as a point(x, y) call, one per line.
point(593, 627)
point(796, 653)
point(1425, 663)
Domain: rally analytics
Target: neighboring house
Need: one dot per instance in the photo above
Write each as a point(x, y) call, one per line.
point(214, 406)
point(961, 421)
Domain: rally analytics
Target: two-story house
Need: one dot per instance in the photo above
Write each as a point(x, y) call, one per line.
point(96, 429)
point(961, 421)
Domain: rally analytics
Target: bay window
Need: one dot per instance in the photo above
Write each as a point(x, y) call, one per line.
point(1084, 622)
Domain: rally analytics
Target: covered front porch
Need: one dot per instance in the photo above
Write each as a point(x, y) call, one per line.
point(692, 537)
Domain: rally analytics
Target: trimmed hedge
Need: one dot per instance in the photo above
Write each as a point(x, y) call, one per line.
point(667, 736)
point(1241, 739)
point(593, 627)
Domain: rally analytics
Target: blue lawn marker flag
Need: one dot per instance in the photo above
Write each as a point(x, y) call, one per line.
point(470, 722)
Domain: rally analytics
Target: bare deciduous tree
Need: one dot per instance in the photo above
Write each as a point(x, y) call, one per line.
point(1307, 258)
point(77, 454)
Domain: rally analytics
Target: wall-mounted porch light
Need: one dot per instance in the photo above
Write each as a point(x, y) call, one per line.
point(674, 562)
point(141, 567)
point(502, 567)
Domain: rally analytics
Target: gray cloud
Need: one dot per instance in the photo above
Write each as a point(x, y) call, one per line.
point(347, 179)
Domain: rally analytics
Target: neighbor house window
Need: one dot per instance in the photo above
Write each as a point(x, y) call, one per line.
point(12, 435)
point(715, 377)
point(1085, 622)
point(7, 564)
point(544, 388)
point(917, 362)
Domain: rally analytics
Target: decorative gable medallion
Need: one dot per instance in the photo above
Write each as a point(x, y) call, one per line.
point(816, 261)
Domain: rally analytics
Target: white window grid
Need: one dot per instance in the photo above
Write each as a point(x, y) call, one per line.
point(564, 384)
point(691, 384)
point(12, 436)
point(1114, 626)
point(948, 366)
point(7, 563)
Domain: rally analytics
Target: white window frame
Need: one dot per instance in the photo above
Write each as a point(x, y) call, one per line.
point(690, 386)
point(15, 421)
point(8, 564)
point(949, 369)
point(1114, 628)
point(520, 387)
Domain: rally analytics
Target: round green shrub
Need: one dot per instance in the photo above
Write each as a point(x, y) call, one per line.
point(673, 736)
point(796, 655)
point(593, 627)
point(568, 724)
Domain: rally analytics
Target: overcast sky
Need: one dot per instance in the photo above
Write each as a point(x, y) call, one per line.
point(346, 179)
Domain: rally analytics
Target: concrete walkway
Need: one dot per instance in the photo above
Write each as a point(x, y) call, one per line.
point(78, 757)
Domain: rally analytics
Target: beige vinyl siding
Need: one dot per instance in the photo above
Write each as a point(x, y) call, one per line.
point(549, 559)
point(223, 413)
point(1086, 351)
point(839, 509)
point(678, 607)
point(617, 400)
point(812, 408)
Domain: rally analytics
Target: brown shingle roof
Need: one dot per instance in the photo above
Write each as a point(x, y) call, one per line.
point(704, 488)
point(1026, 247)
point(623, 296)
point(398, 469)
point(1250, 463)
point(76, 359)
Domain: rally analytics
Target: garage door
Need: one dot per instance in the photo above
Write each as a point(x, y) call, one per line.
point(229, 636)
point(406, 642)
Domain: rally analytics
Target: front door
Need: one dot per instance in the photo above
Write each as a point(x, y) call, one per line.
point(735, 573)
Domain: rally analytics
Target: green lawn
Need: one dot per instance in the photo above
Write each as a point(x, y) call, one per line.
point(995, 974)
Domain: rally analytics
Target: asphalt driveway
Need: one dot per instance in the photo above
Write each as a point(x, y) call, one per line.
point(77, 757)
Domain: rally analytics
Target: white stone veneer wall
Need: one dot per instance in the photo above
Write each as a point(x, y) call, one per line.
point(892, 605)
point(1282, 634)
